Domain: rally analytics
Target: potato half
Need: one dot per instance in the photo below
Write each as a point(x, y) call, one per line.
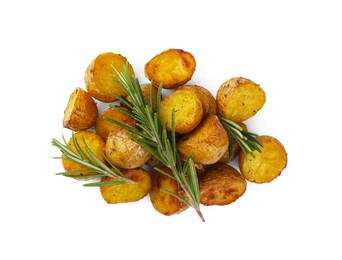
point(268, 164)
point(207, 143)
point(163, 202)
point(122, 193)
point(123, 152)
point(96, 145)
point(172, 68)
point(81, 111)
point(239, 99)
point(221, 185)
point(99, 79)
point(187, 109)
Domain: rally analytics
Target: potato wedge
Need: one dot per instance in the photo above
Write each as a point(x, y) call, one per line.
point(81, 111)
point(172, 68)
point(123, 193)
point(207, 143)
point(123, 152)
point(204, 95)
point(267, 165)
point(103, 127)
point(163, 202)
point(221, 185)
point(187, 109)
point(96, 145)
point(98, 76)
point(239, 99)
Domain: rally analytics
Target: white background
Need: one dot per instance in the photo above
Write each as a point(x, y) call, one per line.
point(291, 48)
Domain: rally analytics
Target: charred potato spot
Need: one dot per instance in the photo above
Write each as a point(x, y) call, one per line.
point(187, 108)
point(81, 111)
point(221, 185)
point(267, 165)
point(124, 193)
point(207, 143)
point(96, 145)
point(172, 68)
point(98, 76)
point(239, 99)
point(163, 202)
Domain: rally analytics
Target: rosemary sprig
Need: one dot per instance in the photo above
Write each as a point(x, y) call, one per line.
point(246, 140)
point(88, 159)
point(153, 136)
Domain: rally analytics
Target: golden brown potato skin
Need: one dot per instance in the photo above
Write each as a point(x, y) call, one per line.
point(96, 145)
point(98, 79)
point(172, 68)
point(207, 143)
point(81, 111)
point(146, 89)
point(221, 185)
point(123, 152)
point(204, 95)
point(163, 202)
point(127, 192)
point(267, 165)
point(239, 99)
point(103, 127)
point(187, 109)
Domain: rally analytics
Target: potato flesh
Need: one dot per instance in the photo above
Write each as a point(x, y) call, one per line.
point(221, 185)
point(123, 152)
point(96, 145)
point(207, 143)
point(187, 109)
point(103, 126)
point(239, 99)
point(124, 193)
point(99, 79)
point(172, 68)
point(163, 202)
point(267, 165)
point(81, 111)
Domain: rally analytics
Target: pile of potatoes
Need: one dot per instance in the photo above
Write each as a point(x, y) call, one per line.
point(197, 125)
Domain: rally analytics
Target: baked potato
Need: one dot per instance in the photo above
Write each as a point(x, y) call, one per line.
point(239, 99)
point(221, 185)
point(98, 76)
point(267, 164)
point(207, 143)
point(96, 145)
point(172, 68)
point(204, 95)
point(187, 109)
point(103, 126)
point(122, 193)
point(162, 201)
point(81, 111)
point(123, 152)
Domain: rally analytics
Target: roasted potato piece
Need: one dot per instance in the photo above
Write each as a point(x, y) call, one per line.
point(123, 152)
point(103, 127)
point(164, 202)
point(99, 79)
point(96, 145)
point(204, 95)
point(173, 68)
point(146, 89)
point(239, 99)
point(221, 185)
point(187, 109)
point(207, 143)
point(121, 193)
point(267, 165)
point(81, 111)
